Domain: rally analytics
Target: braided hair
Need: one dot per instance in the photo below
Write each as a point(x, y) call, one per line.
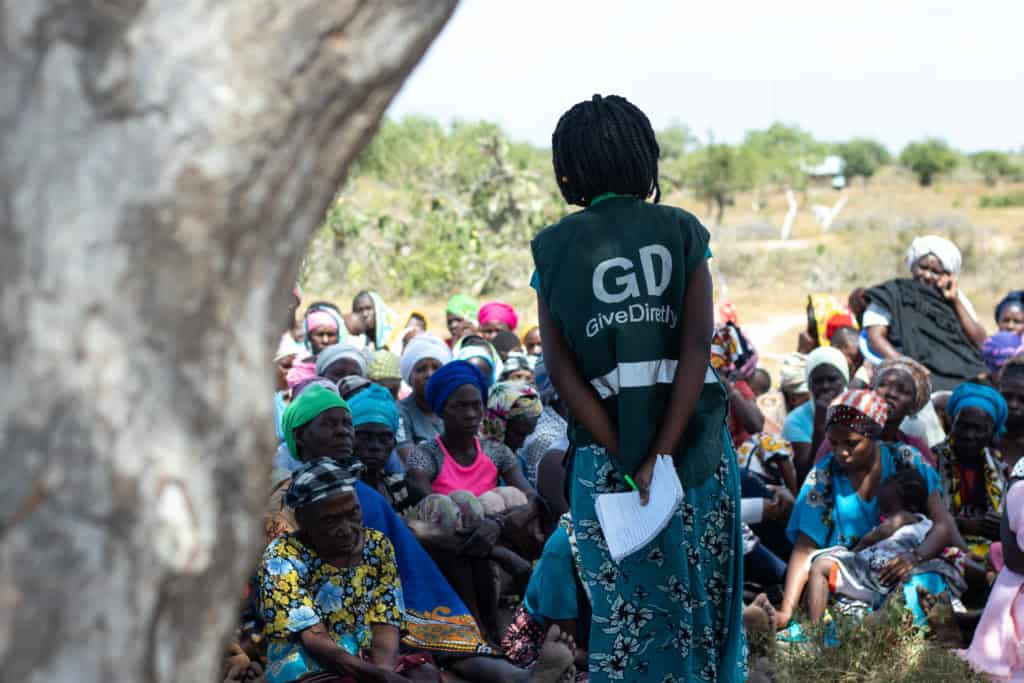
point(605, 144)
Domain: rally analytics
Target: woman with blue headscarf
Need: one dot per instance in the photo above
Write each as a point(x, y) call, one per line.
point(457, 476)
point(971, 470)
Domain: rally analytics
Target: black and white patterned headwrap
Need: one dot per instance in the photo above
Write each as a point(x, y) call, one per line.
point(319, 479)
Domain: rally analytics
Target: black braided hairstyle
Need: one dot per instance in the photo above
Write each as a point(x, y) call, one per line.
point(605, 144)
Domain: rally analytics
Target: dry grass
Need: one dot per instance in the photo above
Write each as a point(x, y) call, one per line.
point(886, 650)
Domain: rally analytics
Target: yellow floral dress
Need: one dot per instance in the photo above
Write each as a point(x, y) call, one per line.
point(299, 590)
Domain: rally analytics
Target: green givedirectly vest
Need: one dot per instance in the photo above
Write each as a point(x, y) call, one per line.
point(614, 278)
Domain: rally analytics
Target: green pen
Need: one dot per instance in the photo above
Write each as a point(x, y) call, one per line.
point(629, 480)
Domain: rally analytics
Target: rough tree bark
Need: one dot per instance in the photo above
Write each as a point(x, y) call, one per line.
point(162, 166)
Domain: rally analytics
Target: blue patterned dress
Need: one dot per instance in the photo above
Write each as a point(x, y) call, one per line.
point(673, 611)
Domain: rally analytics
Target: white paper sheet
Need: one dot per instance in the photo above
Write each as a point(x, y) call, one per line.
point(627, 525)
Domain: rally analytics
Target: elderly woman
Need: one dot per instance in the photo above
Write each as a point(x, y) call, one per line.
point(904, 385)
point(972, 471)
point(423, 356)
point(324, 325)
point(827, 374)
point(330, 591)
point(838, 503)
point(927, 317)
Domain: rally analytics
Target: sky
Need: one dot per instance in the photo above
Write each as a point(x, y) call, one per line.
point(893, 70)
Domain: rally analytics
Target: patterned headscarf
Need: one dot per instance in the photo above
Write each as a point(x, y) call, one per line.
point(939, 247)
point(825, 307)
point(919, 374)
point(509, 400)
point(731, 352)
point(515, 362)
point(320, 479)
point(859, 410)
point(1001, 347)
point(384, 365)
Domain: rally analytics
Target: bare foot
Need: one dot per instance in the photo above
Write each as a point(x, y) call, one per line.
point(557, 655)
point(938, 610)
point(759, 615)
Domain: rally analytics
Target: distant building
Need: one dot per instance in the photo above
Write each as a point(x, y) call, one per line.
point(827, 173)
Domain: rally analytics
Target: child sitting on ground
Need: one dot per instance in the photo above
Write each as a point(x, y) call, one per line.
point(854, 574)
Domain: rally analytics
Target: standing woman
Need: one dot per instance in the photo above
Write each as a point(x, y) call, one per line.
point(627, 324)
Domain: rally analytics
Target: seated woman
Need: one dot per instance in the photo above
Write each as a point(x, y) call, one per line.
point(555, 595)
point(1011, 386)
point(436, 619)
point(545, 449)
point(385, 369)
point(378, 321)
point(999, 349)
point(495, 317)
point(852, 576)
point(1010, 312)
point(458, 461)
point(997, 648)
point(460, 315)
point(824, 315)
point(927, 317)
point(735, 360)
point(775, 406)
point(330, 595)
point(531, 341)
point(338, 361)
point(838, 503)
point(904, 385)
point(971, 470)
point(420, 360)
point(482, 355)
point(518, 367)
point(375, 420)
point(506, 342)
point(324, 325)
point(827, 375)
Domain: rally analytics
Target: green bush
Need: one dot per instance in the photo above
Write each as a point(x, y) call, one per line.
point(1002, 201)
point(928, 159)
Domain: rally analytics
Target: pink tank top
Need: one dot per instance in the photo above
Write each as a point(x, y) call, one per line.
point(478, 478)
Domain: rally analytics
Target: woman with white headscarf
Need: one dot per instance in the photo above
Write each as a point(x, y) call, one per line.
point(927, 317)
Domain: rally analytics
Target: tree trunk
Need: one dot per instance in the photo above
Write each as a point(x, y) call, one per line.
point(162, 166)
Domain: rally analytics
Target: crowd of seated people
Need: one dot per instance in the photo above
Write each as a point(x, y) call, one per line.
point(417, 526)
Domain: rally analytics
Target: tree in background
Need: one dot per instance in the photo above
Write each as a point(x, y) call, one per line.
point(779, 154)
point(863, 157)
point(715, 173)
point(929, 158)
point(993, 165)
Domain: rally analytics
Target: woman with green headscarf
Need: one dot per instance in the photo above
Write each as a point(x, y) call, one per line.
point(461, 317)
